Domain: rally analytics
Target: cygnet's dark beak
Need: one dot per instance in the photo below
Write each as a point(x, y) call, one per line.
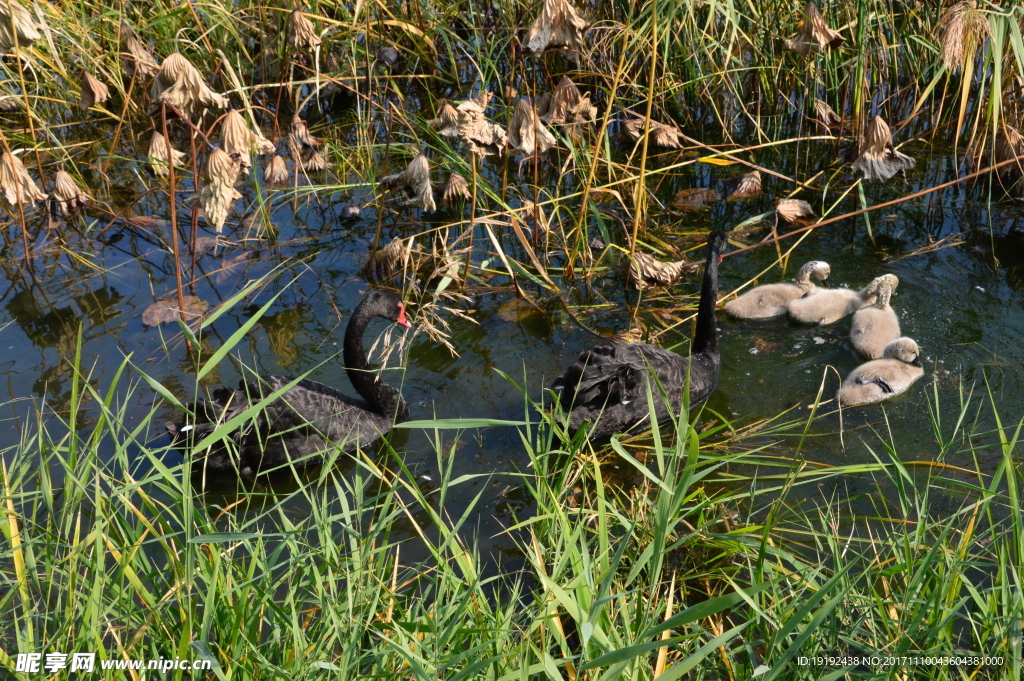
point(917, 362)
point(825, 280)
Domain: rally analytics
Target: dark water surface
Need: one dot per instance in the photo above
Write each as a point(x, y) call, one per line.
point(966, 312)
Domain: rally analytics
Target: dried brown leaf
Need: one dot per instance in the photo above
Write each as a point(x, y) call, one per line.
point(239, 139)
point(93, 91)
point(748, 185)
point(661, 135)
point(15, 182)
point(166, 311)
point(695, 199)
point(302, 33)
point(136, 60)
point(879, 160)
point(535, 213)
point(160, 151)
point(276, 171)
point(483, 137)
point(646, 273)
point(9, 104)
point(390, 260)
point(566, 104)
point(447, 121)
point(814, 35)
point(454, 187)
point(414, 181)
point(526, 134)
point(1009, 147)
point(299, 137)
point(67, 195)
point(180, 84)
point(826, 116)
point(313, 162)
point(794, 210)
point(559, 25)
point(218, 195)
point(17, 26)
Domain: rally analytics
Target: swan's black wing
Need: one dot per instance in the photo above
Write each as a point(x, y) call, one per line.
point(614, 373)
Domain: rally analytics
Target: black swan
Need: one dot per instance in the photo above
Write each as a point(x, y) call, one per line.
point(309, 418)
point(607, 384)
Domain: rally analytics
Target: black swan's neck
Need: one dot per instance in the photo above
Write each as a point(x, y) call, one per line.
point(706, 338)
point(385, 398)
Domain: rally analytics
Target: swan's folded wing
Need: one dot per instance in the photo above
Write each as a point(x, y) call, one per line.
point(615, 373)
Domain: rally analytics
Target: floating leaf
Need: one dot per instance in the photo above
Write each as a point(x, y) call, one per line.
point(414, 181)
point(814, 35)
point(879, 160)
point(17, 27)
point(93, 92)
point(276, 171)
point(559, 25)
point(695, 199)
point(794, 210)
point(166, 311)
point(387, 55)
point(526, 134)
point(748, 185)
point(180, 84)
point(239, 139)
point(517, 309)
point(18, 186)
point(218, 195)
point(160, 151)
point(454, 187)
point(646, 273)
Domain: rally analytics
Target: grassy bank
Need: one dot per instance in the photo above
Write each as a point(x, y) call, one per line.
point(693, 570)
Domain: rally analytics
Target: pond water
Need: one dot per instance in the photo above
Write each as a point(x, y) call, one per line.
point(966, 312)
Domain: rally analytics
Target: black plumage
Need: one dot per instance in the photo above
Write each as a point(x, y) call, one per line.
point(607, 385)
point(308, 420)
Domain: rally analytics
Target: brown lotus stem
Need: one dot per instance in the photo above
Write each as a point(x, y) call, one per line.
point(174, 225)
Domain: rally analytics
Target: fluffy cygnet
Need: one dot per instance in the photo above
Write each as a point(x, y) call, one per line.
point(772, 300)
point(881, 379)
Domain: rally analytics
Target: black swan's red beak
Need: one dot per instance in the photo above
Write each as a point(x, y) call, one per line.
point(401, 316)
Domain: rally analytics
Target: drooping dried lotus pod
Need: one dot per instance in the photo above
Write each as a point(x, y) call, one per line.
point(661, 135)
point(559, 25)
point(302, 33)
point(526, 134)
point(814, 34)
point(136, 60)
point(17, 27)
point(93, 91)
point(646, 273)
point(219, 194)
point(826, 116)
point(794, 210)
point(313, 162)
point(67, 196)
point(962, 29)
point(483, 137)
point(879, 160)
point(747, 185)
point(239, 139)
point(454, 187)
point(276, 171)
point(447, 121)
point(299, 137)
point(160, 151)
point(180, 84)
point(566, 104)
point(390, 260)
point(15, 182)
point(415, 182)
